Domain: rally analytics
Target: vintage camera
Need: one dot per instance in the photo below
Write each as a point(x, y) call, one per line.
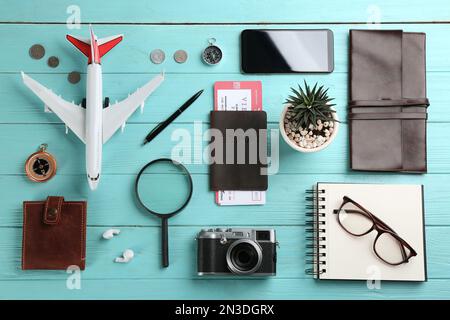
point(237, 251)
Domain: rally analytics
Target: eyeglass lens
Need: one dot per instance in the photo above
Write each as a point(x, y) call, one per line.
point(358, 223)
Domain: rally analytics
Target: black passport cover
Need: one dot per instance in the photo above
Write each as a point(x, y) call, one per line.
point(239, 176)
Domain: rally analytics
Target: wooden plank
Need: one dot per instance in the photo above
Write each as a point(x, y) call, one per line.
point(114, 202)
point(285, 289)
point(132, 55)
point(145, 242)
point(125, 155)
point(19, 105)
point(159, 11)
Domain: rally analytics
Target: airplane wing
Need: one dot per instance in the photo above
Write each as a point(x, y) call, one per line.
point(71, 114)
point(117, 114)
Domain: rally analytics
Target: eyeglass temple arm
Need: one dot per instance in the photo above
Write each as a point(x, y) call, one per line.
point(370, 214)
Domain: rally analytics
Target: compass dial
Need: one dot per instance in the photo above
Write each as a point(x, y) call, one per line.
point(40, 166)
point(212, 55)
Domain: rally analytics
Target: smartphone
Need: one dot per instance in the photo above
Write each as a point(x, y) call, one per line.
point(287, 51)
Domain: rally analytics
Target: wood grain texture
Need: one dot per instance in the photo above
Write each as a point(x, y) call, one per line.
point(172, 25)
point(114, 202)
point(123, 154)
point(132, 55)
point(188, 289)
point(256, 11)
point(144, 241)
point(19, 105)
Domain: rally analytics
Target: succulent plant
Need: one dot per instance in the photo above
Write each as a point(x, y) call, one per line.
point(309, 105)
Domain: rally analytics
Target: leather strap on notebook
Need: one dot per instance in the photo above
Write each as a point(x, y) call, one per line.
point(389, 103)
point(52, 210)
point(388, 116)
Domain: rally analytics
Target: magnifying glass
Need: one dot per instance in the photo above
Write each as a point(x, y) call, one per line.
point(164, 187)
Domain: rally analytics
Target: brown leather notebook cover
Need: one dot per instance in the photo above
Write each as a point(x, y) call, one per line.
point(54, 234)
point(243, 171)
point(388, 102)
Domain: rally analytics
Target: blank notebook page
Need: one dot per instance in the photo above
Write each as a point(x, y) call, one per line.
point(352, 258)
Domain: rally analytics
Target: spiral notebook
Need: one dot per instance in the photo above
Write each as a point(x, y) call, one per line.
point(335, 254)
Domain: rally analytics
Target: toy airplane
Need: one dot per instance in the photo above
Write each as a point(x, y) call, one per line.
point(93, 121)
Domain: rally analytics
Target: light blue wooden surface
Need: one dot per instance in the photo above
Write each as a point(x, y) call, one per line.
point(172, 25)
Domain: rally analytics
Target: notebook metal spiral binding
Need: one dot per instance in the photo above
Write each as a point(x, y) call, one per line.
point(315, 255)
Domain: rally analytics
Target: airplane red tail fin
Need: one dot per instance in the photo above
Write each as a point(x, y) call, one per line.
point(81, 44)
point(104, 45)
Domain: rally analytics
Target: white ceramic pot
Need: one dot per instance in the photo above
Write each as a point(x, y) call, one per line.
point(301, 149)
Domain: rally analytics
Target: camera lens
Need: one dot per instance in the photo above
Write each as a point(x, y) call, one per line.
point(244, 257)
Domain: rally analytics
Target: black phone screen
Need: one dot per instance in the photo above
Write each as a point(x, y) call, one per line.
point(287, 51)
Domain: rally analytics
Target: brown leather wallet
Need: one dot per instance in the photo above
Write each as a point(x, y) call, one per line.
point(54, 234)
point(388, 103)
point(243, 171)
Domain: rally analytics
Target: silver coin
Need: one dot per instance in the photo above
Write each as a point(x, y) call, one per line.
point(157, 56)
point(74, 77)
point(180, 56)
point(53, 62)
point(36, 51)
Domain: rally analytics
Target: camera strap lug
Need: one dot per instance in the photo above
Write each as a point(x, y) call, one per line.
point(223, 239)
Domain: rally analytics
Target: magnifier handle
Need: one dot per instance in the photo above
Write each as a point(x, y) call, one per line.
point(165, 242)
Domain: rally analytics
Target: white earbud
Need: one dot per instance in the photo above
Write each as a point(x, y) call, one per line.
point(127, 256)
point(109, 234)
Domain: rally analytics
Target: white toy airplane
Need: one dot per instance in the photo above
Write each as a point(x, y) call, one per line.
point(92, 121)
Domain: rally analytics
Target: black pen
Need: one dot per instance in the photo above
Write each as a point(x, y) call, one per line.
point(162, 125)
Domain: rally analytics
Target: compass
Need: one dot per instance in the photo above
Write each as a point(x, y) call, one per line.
point(41, 165)
point(212, 54)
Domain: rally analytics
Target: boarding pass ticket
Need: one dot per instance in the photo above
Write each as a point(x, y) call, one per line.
point(238, 96)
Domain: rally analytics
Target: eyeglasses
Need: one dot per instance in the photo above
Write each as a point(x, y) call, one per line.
point(388, 245)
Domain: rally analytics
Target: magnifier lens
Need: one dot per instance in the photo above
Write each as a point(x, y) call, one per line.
point(164, 187)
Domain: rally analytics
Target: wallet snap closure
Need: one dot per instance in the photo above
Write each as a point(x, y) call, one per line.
point(52, 211)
